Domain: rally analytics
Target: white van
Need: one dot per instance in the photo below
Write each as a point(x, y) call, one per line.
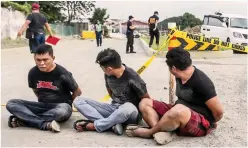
point(227, 27)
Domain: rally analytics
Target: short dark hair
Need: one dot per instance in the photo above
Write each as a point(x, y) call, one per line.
point(179, 58)
point(109, 58)
point(43, 49)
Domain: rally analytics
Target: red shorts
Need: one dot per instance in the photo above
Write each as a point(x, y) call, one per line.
point(196, 127)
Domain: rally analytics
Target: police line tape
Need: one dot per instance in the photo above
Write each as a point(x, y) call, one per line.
point(193, 42)
point(148, 62)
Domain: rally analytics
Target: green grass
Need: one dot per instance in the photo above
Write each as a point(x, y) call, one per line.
point(7, 43)
point(154, 46)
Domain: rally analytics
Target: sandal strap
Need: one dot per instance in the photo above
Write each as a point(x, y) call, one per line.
point(82, 125)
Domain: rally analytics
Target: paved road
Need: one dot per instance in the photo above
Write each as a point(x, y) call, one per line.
point(229, 76)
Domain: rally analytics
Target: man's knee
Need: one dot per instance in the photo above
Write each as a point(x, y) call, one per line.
point(144, 103)
point(11, 104)
point(63, 112)
point(179, 112)
point(78, 101)
point(127, 110)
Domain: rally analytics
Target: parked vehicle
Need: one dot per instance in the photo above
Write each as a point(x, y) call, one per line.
point(227, 27)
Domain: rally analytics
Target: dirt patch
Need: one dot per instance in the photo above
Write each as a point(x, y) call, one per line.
point(8, 43)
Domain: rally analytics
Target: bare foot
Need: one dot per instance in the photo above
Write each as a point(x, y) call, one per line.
point(164, 137)
point(136, 131)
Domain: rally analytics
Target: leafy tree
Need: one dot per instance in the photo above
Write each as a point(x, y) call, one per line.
point(99, 14)
point(76, 10)
point(186, 20)
point(51, 9)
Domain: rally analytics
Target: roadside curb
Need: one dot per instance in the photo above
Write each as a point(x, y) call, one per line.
point(149, 51)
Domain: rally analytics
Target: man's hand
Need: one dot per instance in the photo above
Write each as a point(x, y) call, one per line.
point(76, 93)
point(216, 108)
point(51, 35)
point(19, 34)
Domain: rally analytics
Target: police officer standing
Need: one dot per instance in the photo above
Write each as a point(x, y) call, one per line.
point(130, 37)
point(35, 23)
point(98, 31)
point(153, 30)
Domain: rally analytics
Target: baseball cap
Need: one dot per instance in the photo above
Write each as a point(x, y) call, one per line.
point(156, 12)
point(35, 6)
point(130, 17)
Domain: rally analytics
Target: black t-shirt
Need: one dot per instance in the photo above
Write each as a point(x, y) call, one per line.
point(129, 31)
point(52, 87)
point(195, 92)
point(38, 21)
point(128, 88)
point(152, 21)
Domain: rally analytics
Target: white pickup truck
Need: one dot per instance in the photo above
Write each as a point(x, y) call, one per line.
point(227, 27)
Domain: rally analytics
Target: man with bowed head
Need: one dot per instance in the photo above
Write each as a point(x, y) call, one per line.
point(53, 85)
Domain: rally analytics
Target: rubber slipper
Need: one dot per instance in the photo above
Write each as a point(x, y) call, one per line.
point(118, 129)
point(83, 126)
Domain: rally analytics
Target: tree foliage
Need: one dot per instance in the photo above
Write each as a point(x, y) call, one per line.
point(99, 14)
point(186, 20)
point(55, 11)
point(25, 8)
point(76, 10)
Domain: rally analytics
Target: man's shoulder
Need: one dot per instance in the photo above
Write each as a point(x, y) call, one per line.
point(201, 77)
point(200, 73)
point(61, 69)
point(34, 70)
point(131, 72)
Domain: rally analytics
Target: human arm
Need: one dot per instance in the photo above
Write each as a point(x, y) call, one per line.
point(107, 86)
point(130, 25)
point(216, 108)
point(156, 23)
point(23, 28)
point(139, 86)
point(49, 29)
point(71, 84)
point(209, 96)
point(35, 92)
point(30, 82)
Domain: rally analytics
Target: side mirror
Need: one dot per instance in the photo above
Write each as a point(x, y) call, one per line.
point(224, 25)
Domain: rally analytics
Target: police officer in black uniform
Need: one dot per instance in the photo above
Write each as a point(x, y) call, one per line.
point(153, 30)
point(130, 37)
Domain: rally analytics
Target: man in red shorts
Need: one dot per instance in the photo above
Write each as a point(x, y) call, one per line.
point(195, 113)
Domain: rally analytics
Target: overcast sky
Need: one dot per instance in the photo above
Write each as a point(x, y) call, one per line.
point(141, 10)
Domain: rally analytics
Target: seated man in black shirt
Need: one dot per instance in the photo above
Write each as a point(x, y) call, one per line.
point(197, 109)
point(52, 84)
point(126, 89)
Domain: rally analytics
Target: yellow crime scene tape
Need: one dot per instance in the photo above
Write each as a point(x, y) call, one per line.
point(193, 42)
point(148, 62)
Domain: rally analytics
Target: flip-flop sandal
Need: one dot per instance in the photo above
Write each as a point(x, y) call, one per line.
point(55, 127)
point(11, 120)
point(83, 126)
point(132, 127)
point(118, 129)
